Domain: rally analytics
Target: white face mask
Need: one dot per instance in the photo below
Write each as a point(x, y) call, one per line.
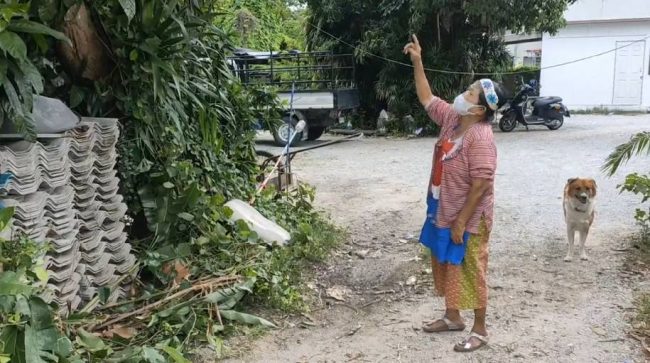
point(462, 106)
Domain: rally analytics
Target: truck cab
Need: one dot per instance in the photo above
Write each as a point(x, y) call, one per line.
point(317, 87)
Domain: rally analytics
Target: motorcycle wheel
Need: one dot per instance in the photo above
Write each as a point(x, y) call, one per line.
point(508, 122)
point(555, 123)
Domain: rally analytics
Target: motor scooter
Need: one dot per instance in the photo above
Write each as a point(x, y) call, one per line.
point(527, 109)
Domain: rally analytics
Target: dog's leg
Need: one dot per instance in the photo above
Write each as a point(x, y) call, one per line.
point(583, 238)
point(570, 238)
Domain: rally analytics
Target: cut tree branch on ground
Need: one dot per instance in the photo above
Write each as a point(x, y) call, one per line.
point(92, 304)
point(201, 285)
point(133, 301)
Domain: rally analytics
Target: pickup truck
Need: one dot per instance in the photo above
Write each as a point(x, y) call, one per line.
point(317, 87)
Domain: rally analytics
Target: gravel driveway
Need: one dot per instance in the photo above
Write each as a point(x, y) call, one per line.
point(541, 309)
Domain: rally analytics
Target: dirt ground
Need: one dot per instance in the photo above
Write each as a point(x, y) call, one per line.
point(541, 309)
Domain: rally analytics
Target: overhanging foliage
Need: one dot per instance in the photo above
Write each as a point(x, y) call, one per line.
point(456, 35)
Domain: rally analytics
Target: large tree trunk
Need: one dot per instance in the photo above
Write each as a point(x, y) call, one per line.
point(88, 58)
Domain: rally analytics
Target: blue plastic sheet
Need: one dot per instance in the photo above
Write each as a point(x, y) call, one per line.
point(438, 240)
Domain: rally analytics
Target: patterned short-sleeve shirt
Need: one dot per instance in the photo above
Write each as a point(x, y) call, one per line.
point(476, 158)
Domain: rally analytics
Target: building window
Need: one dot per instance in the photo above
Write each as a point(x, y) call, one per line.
point(533, 58)
point(532, 61)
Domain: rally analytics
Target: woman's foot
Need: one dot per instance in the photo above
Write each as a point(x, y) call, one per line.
point(473, 342)
point(442, 325)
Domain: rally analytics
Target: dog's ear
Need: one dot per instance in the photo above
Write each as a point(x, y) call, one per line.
point(593, 185)
point(571, 180)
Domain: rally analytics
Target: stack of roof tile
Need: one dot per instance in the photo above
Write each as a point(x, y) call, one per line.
point(65, 194)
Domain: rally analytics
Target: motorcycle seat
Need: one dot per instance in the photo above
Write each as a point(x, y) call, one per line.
point(545, 101)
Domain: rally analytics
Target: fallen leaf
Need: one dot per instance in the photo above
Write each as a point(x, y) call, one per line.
point(352, 357)
point(351, 332)
point(178, 269)
point(121, 331)
point(133, 291)
point(306, 324)
point(362, 253)
point(355, 330)
point(599, 331)
point(336, 293)
point(411, 281)
point(384, 292)
point(307, 316)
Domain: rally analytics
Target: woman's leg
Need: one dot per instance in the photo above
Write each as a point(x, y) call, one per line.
point(443, 284)
point(454, 315)
point(466, 284)
point(473, 293)
point(480, 326)
point(455, 322)
point(439, 272)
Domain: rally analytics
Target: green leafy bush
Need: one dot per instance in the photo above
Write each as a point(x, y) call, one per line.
point(21, 41)
point(640, 185)
point(635, 183)
point(28, 331)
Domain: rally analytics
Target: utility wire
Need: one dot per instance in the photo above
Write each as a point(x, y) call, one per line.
point(472, 73)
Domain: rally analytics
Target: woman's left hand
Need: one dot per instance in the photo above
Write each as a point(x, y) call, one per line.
point(413, 49)
point(457, 231)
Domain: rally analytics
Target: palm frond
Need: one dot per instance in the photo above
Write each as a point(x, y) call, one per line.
point(638, 144)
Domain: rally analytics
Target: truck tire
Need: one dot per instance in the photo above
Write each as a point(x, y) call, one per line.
point(283, 131)
point(315, 132)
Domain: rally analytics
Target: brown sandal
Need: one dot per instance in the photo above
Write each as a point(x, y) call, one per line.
point(448, 326)
point(466, 345)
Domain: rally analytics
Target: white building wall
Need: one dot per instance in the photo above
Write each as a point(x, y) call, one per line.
point(602, 10)
point(590, 83)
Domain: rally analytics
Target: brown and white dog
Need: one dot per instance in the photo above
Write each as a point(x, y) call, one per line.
point(579, 210)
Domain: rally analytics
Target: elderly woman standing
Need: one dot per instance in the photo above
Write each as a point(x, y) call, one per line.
point(460, 199)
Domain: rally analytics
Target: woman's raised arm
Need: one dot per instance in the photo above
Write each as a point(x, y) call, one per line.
point(422, 87)
point(438, 110)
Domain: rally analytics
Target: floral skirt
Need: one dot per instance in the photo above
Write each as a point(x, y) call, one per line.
point(464, 286)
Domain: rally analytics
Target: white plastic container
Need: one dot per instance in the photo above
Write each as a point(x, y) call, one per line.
point(269, 231)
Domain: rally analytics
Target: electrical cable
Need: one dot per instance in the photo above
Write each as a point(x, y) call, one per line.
point(474, 73)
